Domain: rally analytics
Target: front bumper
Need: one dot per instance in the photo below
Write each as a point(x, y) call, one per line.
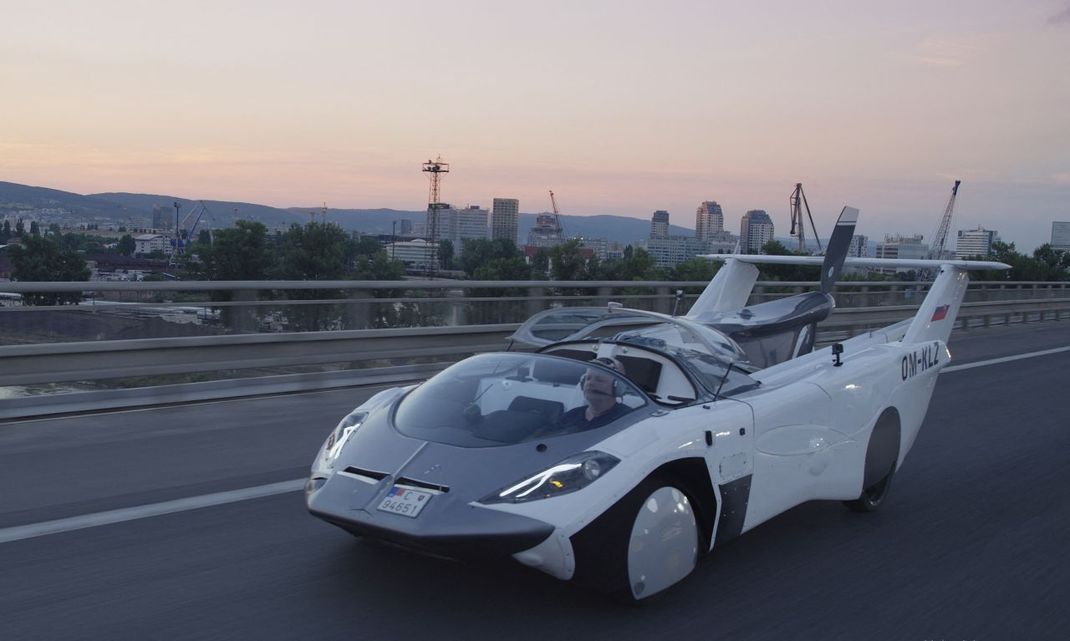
point(448, 526)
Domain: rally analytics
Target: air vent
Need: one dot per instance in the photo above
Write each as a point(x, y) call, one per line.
point(423, 484)
point(370, 475)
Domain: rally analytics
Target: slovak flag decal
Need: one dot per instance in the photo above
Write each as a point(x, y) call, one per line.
point(940, 312)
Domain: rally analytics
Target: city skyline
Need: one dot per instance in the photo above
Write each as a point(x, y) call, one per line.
point(633, 108)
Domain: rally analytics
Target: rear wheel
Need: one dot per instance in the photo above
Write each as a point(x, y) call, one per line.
point(872, 496)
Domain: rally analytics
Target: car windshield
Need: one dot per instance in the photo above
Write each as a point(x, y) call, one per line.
point(500, 399)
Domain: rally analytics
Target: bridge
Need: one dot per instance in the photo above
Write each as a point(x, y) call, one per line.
point(151, 517)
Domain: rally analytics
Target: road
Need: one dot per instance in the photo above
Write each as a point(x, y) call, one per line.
point(969, 545)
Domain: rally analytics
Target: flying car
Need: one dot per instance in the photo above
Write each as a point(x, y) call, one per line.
point(623, 444)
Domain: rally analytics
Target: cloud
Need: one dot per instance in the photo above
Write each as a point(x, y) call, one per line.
point(1063, 17)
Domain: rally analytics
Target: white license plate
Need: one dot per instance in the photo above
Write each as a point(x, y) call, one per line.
point(406, 502)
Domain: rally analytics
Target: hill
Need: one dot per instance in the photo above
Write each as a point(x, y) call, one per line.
point(123, 208)
point(16, 198)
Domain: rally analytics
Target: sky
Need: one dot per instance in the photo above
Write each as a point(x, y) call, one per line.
point(620, 107)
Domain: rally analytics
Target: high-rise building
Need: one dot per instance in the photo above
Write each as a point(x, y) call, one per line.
point(504, 219)
point(975, 242)
point(405, 227)
point(1060, 235)
point(670, 251)
point(459, 225)
point(755, 230)
point(546, 232)
point(468, 224)
point(709, 220)
point(659, 224)
point(900, 246)
point(859, 246)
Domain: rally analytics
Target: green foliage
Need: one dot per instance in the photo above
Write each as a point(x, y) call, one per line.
point(1045, 264)
point(636, 264)
point(493, 259)
point(6, 233)
point(695, 269)
point(237, 253)
point(126, 245)
point(41, 259)
point(315, 251)
point(567, 263)
point(786, 272)
point(445, 253)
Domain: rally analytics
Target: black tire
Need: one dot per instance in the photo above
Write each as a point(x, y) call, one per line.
point(603, 548)
point(872, 496)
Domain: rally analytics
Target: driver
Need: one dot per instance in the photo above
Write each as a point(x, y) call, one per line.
point(602, 405)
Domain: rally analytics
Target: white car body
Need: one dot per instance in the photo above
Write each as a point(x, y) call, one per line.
point(816, 426)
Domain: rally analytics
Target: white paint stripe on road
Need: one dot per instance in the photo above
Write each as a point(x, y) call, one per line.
point(1005, 359)
point(221, 498)
point(33, 530)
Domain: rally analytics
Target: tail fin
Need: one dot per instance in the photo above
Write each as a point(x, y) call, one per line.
point(936, 316)
point(839, 245)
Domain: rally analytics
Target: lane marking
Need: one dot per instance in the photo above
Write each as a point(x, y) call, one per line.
point(14, 422)
point(1006, 359)
point(122, 515)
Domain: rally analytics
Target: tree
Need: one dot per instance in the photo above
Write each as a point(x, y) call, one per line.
point(636, 264)
point(445, 253)
point(315, 251)
point(480, 253)
point(786, 272)
point(20, 228)
point(568, 263)
point(701, 269)
point(238, 253)
point(35, 229)
point(38, 259)
point(5, 232)
point(126, 245)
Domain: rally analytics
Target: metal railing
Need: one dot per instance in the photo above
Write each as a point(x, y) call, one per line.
point(167, 368)
point(121, 310)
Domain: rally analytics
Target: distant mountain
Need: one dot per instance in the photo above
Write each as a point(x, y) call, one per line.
point(223, 213)
point(15, 198)
point(121, 207)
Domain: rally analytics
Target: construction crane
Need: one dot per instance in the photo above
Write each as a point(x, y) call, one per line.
point(183, 244)
point(798, 225)
point(936, 250)
point(559, 228)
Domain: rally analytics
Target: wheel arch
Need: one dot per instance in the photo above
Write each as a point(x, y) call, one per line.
point(593, 551)
point(882, 451)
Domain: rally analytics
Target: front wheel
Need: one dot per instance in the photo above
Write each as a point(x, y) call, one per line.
point(644, 544)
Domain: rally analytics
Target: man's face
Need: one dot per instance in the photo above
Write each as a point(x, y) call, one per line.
point(597, 386)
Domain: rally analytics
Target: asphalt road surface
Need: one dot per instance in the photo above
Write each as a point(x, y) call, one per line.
point(971, 543)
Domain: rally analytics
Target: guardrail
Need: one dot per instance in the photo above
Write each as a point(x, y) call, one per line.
point(260, 363)
point(121, 310)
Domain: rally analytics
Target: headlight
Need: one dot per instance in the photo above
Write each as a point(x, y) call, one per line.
point(338, 438)
point(571, 474)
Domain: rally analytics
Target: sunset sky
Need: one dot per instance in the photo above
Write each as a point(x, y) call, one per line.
point(620, 107)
